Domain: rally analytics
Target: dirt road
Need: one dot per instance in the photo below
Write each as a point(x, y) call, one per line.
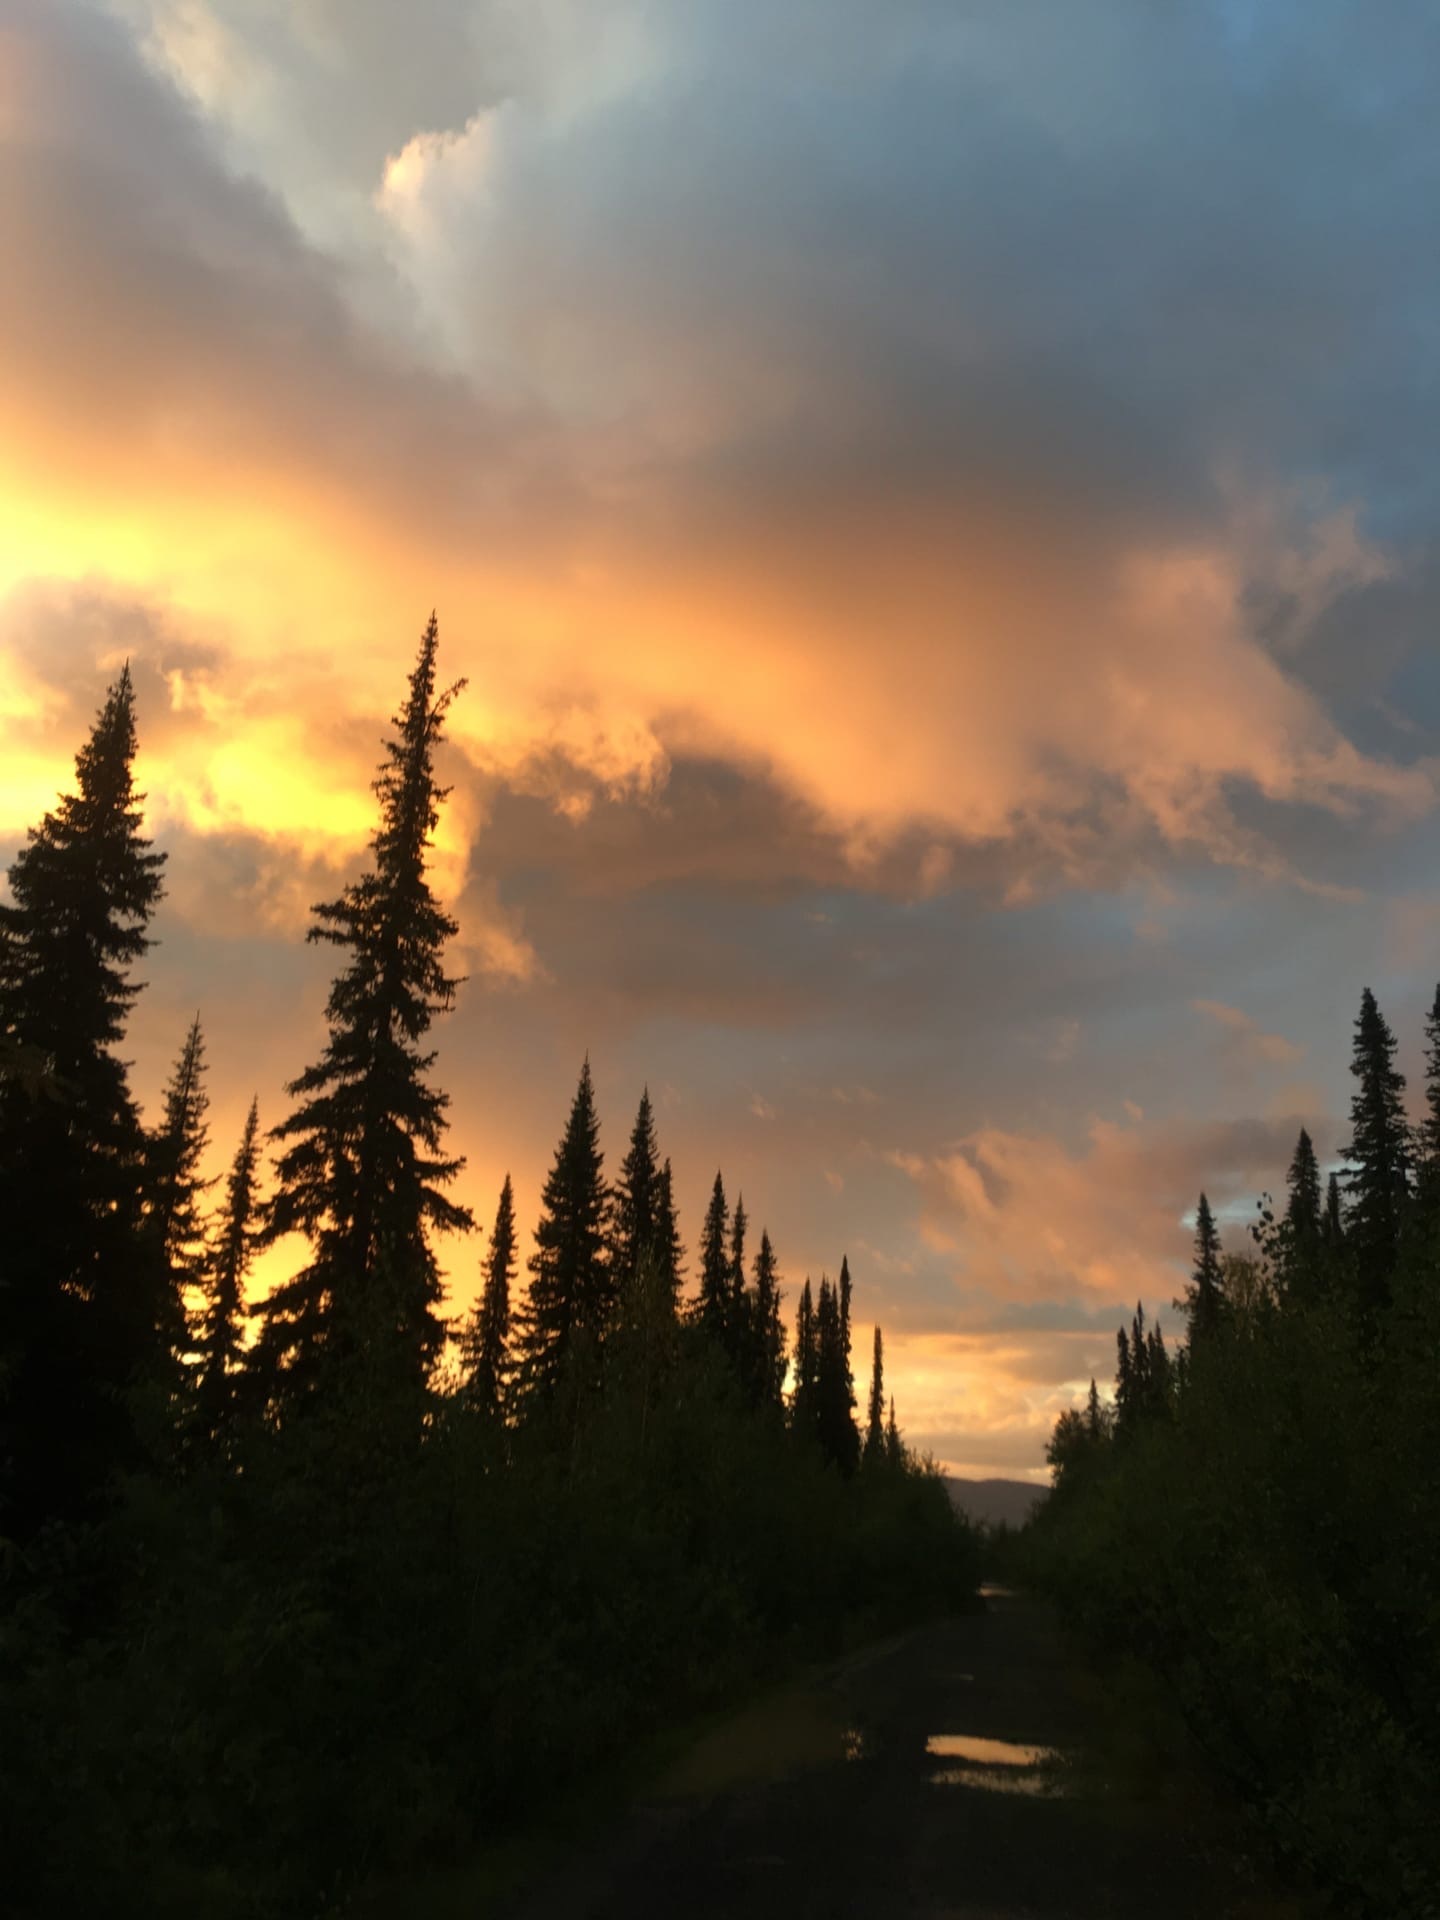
point(908, 1783)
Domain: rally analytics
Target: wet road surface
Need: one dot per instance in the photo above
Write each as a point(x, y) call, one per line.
point(865, 1793)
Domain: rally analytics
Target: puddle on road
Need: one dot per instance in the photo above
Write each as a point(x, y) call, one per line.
point(994, 1766)
point(986, 1753)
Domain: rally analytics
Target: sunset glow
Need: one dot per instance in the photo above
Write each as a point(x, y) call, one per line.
point(959, 742)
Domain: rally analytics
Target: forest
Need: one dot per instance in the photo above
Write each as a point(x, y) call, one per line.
point(1252, 1523)
point(303, 1590)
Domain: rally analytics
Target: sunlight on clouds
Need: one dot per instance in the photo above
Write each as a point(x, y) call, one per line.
point(757, 441)
point(1246, 1036)
point(409, 174)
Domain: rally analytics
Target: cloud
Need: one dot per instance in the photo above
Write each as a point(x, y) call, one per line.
point(753, 436)
point(1027, 1217)
point(1246, 1040)
point(938, 515)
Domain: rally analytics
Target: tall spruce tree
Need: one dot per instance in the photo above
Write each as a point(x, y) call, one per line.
point(712, 1309)
point(175, 1193)
point(1204, 1301)
point(894, 1445)
point(1302, 1209)
point(1378, 1185)
point(843, 1293)
point(1295, 1248)
point(1124, 1389)
point(670, 1250)
point(738, 1305)
point(220, 1362)
point(485, 1344)
point(766, 1369)
point(804, 1393)
point(564, 1316)
point(1135, 1380)
point(637, 1214)
point(363, 1171)
point(839, 1440)
point(82, 1307)
point(875, 1421)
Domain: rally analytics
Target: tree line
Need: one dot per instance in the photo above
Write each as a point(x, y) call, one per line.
point(161, 1434)
point(1255, 1515)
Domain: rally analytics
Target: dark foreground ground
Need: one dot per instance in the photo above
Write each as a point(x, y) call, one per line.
point(822, 1802)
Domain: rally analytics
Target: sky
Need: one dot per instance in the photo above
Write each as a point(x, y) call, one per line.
point(936, 508)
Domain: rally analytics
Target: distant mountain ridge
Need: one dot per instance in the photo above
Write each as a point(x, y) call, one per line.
point(994, 1501)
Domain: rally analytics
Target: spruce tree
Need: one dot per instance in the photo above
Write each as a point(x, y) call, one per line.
point(1204, 1301)
point(1124, 1383)
point(875, 1422)
point(218, 1344)
point(847, 1364)
point(1135, 1383)
point(1158, 1374)
point(563, 1319)
point(713, 1306)
point(894, 1445)
point(766, 1330)
point(639, 1201)
point(485, 1345)
point(805, 1387)
point(363, 1170)
point(839, 1440)
point(1428, 1132)
point(1378, 1186)
point(175, 1192)
point(1333, 1226)
point(670, 1250)
point(737, 1331)
point(82, 1309)
point(1302, 1210)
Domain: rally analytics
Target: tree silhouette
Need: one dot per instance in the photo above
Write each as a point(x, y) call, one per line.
point(1158, 1372)
point(1333, 1225)
point(669, 1249)
point(218, 1342)
point(1303, 1180)
point(713, 1307)
point(804, 1408)
point(363, 1172)
point(174, 1220)
point(1378, 1185)
point(737, 1305)
point(766, 1330)
point(639, 1202)
point(1428, 1133)
point(82, 1309)
point(847, 1365)
point(429, 1580)
point(839, 1440)
point(1204, 1301)
point(485, 1345)
point(1095, 1422)
point(571, 1289)
point(875, 1421)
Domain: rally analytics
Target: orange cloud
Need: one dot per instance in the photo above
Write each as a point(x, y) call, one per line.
point(1028, 1218)
point(1247, 1039)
